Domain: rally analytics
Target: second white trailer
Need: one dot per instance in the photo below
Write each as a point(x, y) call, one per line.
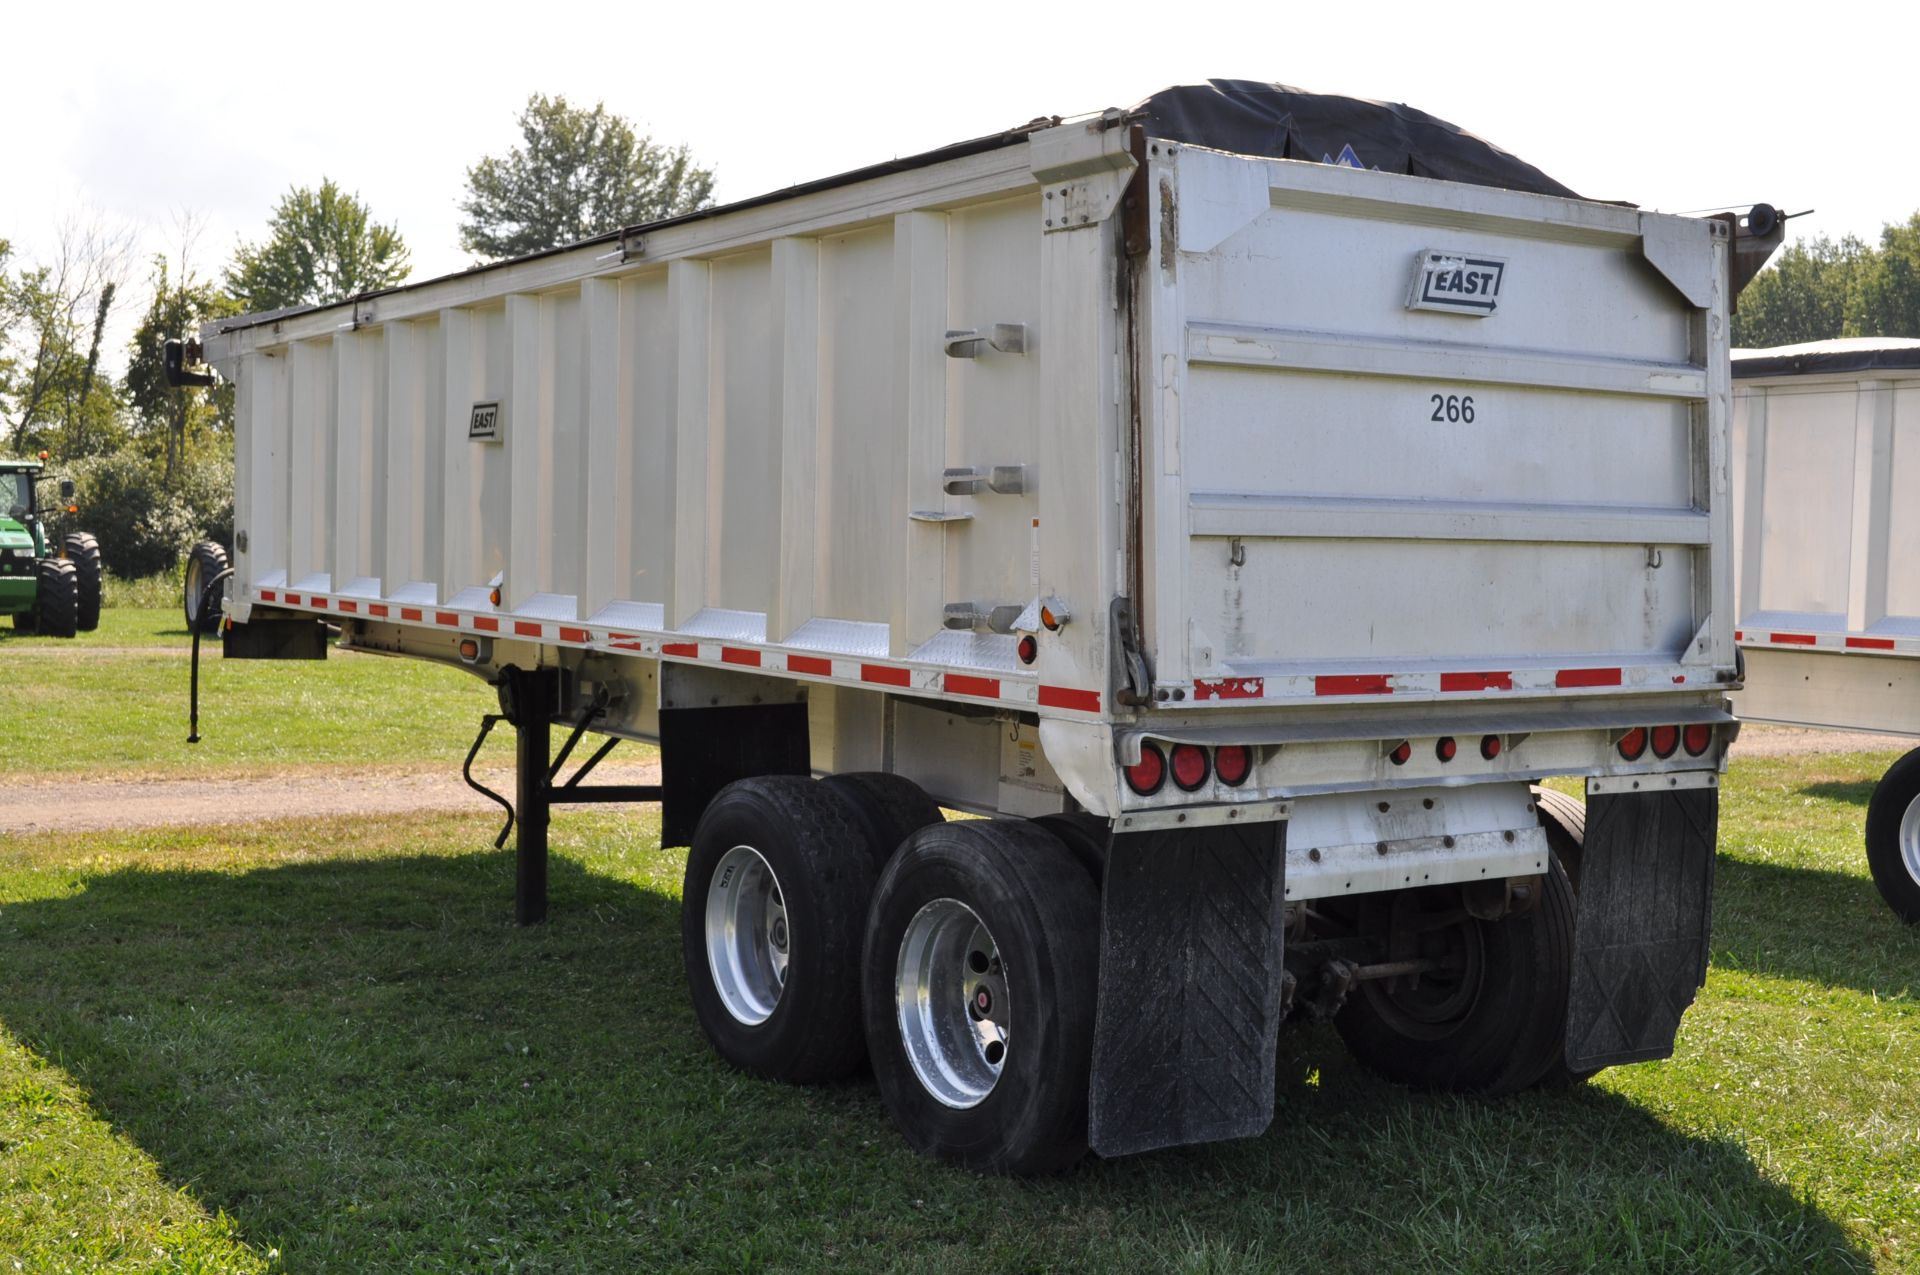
point(1827, 465)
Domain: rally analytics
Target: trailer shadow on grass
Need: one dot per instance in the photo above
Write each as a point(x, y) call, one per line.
point(1830, 929)
point(368, 1067)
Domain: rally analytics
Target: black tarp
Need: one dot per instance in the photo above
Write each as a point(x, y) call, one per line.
point(1252, 118)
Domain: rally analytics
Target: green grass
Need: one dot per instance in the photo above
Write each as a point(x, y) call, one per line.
point(90, 705)
point(323, 1046)
point(325, 1041)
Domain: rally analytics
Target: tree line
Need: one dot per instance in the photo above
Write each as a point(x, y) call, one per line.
point(154, 463)
point(1819, 290)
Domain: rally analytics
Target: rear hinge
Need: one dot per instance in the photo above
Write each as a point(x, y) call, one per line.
point(1133, 680)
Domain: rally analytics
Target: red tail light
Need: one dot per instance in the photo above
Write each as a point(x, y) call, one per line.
point(1665, 740)
point(1149, 774)
point(1400, 755)
point(1697, 739)
point(1633, 743)
point(1028, 649)
point(1490, 746)
point(1189, 766)
point(1446, 748)
point(1233, 764)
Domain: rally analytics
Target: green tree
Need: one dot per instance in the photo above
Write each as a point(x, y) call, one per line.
point(1802, 296)
point(1885, 297)
point(579, 173)
point(175, 420)
point(322, 246)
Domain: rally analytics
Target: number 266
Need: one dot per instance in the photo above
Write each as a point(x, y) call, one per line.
point(1452, 407)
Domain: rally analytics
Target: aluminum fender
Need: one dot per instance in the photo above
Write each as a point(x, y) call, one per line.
point(1081, 753)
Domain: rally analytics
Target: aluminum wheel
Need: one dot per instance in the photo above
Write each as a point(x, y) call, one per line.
point(1910, 839)
point(747, 939)
point(951, 996)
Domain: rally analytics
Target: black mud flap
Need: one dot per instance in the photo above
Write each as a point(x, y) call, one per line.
point(292, 638)
point(702, 750)
point(1190, 981)
point(1640, 932)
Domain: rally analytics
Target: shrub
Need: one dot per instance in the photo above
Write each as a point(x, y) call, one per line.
point(143, 525)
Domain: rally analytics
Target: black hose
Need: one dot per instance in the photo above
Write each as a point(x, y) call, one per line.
point(487, 723)
point(193, 685)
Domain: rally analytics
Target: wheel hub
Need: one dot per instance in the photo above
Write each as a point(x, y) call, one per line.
point(1910, 839)
point(747, 936)
point(951, 999)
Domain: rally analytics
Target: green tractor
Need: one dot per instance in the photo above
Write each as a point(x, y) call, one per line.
point(55, 595)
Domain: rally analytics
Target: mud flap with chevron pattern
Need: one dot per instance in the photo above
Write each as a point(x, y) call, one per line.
point(1640, 931)
point(1190, 980)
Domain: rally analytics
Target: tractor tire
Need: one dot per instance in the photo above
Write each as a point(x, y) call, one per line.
point(83, 551)
point(1893, 837)
point(981, 961)
point(56, 605)
point(204, 561)
point(892, 808)
point(771, 916)
point(1496, 1025)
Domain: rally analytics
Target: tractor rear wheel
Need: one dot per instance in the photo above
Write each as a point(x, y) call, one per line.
point(83, 551)
point(57, 604)
point(204, 561)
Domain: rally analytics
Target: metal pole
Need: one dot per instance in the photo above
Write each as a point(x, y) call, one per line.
point(533, 707)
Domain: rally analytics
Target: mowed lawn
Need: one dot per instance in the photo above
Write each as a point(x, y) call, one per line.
point(323, 1046)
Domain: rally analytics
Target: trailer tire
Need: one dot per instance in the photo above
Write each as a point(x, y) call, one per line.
point(1565, 821)
point(1500, 1028)
point(1007, 907)
point(891, 807)
point(204, 561)
point(83, 551)
point(56, 604)
point(1893, 837)
point(772, 913)
point(1086, 836)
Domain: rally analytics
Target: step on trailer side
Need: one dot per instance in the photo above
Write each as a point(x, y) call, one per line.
point(1244, 537)
point(1826, 436)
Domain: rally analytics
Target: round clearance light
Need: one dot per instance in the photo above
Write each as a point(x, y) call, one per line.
point(1029, 649)
point(1489, 746)
point(1697, 739)
point(1446, 748)
point(1633, 743)
point(1147, 775)
point(1402, 754)
point(1189, 766)
point(1665, 739)
point(1233, 764)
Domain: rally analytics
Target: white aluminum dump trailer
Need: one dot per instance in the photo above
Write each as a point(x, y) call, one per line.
point(1243, 536)
point(1826, 465)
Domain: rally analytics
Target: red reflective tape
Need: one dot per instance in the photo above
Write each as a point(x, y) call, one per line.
point(572, 635)
point(1476, 681)
point(968, 684)
point(1356, 684)
point(1231, 688)
point(411, 613)
point(486, 623)
point(1870, 644)
point(293, 599)
point(691, 650)
point(738, 655)
point(1067, 697)
point(377, 608)
point(349, 606)
point(1791, 639)
point(1738, 636)
point(886, 675)
point(810, 664)
point(1587, 677)
point(266, 595)
point(447, 618)
point(526, 628)
point(319, 604)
